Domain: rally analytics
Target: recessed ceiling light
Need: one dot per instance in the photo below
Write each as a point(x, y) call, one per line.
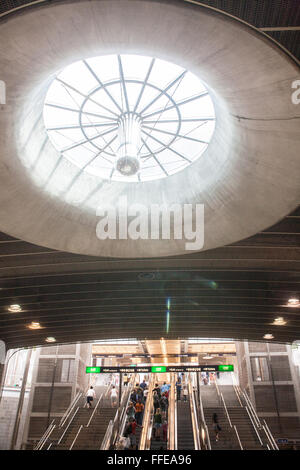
point(279, 321)
point(207, 356)
point(14, 308)
point(268, 336)
point(50, 339)
point(294, 302)
point(34, 326)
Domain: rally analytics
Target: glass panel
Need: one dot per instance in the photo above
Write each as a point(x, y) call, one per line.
point(88, 99)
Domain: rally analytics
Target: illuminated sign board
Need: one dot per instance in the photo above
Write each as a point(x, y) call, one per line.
point(93, 370)
point(156, 369)
point(226, 368)
point(159, 369)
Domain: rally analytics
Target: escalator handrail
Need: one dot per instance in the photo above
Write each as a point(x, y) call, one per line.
point(145, 438)
point(202, 418)
point(194, 418)
point(172, 417)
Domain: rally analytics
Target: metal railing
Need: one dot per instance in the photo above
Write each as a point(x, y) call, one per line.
point(95, 409)
point(258, 427)
point(116, 427)
point(194, 417)
point(70, 409)
point(146, 434)
point(45, 436)
point(67, 427)
point(172, 416)
point(75, 439)
point(225, 408)
point(107, 437)
point(204, 429)
point(238, 437)
point(254, 426)
point(234, 428)
point(270, 436)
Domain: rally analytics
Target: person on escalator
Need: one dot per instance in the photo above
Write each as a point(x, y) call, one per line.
point(155, 401)
point(178, 389)
point(163, 405)
point(139, 410)
point(157, 424)
point(131, 432)
point(157, 390)
point(130, 410)
point(165, 429)
point(185, 393)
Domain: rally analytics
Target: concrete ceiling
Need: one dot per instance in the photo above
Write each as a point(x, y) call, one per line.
point(233, 291)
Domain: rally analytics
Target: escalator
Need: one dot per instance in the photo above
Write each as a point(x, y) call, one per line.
point(185, 436)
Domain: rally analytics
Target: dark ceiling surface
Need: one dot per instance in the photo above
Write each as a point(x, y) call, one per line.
point(230, 292)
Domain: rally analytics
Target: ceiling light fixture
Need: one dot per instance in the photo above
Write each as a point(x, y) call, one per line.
point(14, 308)
point(294, 302)
point(50, 339)
point(34, 326)
point(280, 321)
point(268, 336)
point(207, 356)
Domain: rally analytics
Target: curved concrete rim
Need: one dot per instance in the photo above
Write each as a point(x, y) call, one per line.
point(238, 177)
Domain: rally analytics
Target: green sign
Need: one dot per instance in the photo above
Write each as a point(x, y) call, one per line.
point(93, 370)
point(158, 369)
point(226, 368)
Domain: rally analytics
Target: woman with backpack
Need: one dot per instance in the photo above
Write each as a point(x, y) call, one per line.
point(156, 402)
point(157, 424)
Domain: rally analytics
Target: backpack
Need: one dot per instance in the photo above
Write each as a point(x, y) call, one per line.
point(128, 430)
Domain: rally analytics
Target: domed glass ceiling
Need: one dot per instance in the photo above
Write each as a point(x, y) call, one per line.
point(128, 117)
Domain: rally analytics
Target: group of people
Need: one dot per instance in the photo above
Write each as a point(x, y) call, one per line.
point(135, 412)
point(160, 406)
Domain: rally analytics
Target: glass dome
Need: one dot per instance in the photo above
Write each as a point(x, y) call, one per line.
point(128, 117)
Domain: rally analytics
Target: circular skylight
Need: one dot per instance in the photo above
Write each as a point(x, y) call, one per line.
point(128, 117)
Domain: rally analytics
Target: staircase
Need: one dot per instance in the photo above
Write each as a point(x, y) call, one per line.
point(227, 438)
point(247, 434)
point(185, 438)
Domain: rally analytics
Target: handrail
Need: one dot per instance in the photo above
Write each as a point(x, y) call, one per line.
point(255, 429)
point(217, 387)
point(225, 407)
point(253, 412)
point(238, 437)
point(118, 424)
point(268, 438)
point(147, 428)
point(194, 418)
point(69, 409)
point(67, 427)
point(237, 395)
point(172, 417)
point(203, 421)
point(92, 415)
point(123, 417)
point(107, 436)
point(78, 432)
point(44, 436)
point(271, 438)
point(207, 436)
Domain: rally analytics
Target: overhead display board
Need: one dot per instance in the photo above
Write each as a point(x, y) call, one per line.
point(159, 369)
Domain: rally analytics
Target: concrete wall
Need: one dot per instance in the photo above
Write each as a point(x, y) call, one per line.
point(277, 395)
point(59, 373)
